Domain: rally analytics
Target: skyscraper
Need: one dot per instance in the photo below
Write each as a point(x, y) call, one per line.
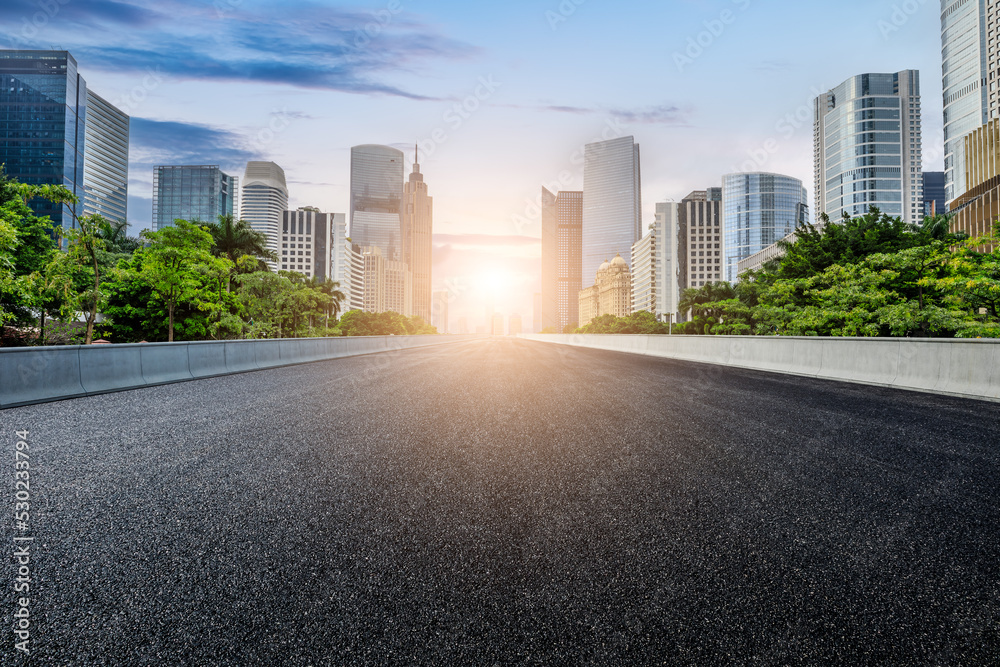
point(308, 240)
point(758, 209)
point(265, 198)
point(418, 229)
point(105, 160)
point(612, 203)
point(970, 69)
point(376, 198)
point(562, 239)
point(200, 193)
point(700, 239)
point(867, 147)
point(43, 101)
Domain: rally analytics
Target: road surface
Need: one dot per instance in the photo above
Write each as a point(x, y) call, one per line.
point(509, 502)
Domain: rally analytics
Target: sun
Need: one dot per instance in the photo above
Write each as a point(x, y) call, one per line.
point(493, 282)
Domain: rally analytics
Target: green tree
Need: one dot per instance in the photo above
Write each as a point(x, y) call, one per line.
point(174, 263)
point(234, 239)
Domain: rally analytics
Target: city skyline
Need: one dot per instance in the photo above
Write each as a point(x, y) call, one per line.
point(482, 110)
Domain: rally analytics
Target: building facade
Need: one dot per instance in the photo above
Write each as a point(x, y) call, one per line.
point(418, 230)
point(644, 273)
point(190, 193)
point(265, 200)
point(935, 202)
point(376, 198)
point(867, 147)
point(105, 160)
point(976, 211)
point(308, 240)
point(701, 238)
point(374, 280)
point(611, 293)
point(43, 105)
point(562, 243)
point(758, 209)
point(398, 284)
point(612, 201)
point(970, 69)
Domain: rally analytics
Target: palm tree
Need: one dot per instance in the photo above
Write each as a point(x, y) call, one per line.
point(332, 289)
point(233, 239)
point(116, 238)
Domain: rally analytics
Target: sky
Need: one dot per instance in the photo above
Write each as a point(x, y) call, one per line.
point(501, 97)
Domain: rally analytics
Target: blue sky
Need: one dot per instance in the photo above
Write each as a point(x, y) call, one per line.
point(704, 86)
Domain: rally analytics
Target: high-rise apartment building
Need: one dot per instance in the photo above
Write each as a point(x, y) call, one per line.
point(700, 239)
point(612, 201)
point(190, 193)
point(562, 243)
point(644, 285)
point(376, 199)
point(105, 160)
point(867, 147)
point(970, 66)
point(308, 241)
point(43, 107)
point(398, 288)
point(374, 280)
point(388, 284)
point(265, 200)
point(758, 209)
point(418, 229)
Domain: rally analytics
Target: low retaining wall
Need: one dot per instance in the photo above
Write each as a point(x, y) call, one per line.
point(956, 367)
point(42, 374)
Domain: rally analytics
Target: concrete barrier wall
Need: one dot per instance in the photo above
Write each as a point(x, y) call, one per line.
point(959, 367)
point(40, 374)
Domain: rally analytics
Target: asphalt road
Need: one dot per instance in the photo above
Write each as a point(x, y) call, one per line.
point(509, 502)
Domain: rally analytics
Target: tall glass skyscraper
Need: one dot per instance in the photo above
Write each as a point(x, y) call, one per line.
point(200, 193)
point(867, 147)
point(562, 239)
point(759, 209)
point(105, 163)
point(376, 198)
point(612, 202)
point(43, 114)
point(265, 199)
point(970, 66)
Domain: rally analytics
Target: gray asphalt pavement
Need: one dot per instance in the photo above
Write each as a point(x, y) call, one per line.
point(508, 502)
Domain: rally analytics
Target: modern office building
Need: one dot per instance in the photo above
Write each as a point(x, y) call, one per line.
point(200, 193)
point(265, 200)
point(970, 69)
point(612, 202)
point(644, 273)
point(977, 210)
point(562, 239)
point(105, 160)
point(374, 280)
point(398, 288)
point(376, 199)
point(439, 311)
point(935, 202)
point(611, 293)
point(43, 114)
point(349, 271)
point(308, 240)
point(418, 229)
point(757, 210)
point(867, 147)
point(701, 239)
